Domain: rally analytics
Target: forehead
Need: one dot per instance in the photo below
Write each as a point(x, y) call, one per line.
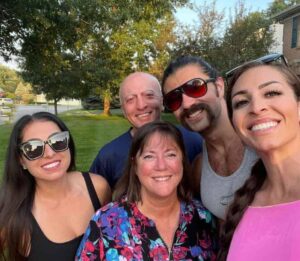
point(139, 83)
point(159, 140)
point(254, 77)
point(182, 75)
point(39, 129)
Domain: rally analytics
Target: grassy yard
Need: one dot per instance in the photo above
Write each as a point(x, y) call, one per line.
point(90, 131)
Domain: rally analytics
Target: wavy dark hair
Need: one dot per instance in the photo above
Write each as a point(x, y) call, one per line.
point(183, 61)
point(245, 195)
point(129, 183)
point(18, 190)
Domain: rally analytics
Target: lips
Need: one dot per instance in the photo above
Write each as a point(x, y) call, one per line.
point(143, 115)
point(51, 165)
point(162, 178)
point(264, 126)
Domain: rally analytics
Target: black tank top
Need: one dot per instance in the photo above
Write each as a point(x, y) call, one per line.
point(44, 249)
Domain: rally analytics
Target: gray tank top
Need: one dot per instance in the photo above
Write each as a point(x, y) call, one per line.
point(216, 191)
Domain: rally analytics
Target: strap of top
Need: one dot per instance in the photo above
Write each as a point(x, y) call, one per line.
point(91, 189)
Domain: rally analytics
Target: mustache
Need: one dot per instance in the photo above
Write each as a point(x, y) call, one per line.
point(194, 108)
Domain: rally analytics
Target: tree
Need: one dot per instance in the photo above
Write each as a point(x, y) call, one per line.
point(9, 79)
point(68, 46)
point(278, 6)
point(204, 37)
point(247, 37)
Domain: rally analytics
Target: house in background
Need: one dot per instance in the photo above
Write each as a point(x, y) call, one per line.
point(290, 18)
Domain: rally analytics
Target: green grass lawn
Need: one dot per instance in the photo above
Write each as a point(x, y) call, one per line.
point(90, 131)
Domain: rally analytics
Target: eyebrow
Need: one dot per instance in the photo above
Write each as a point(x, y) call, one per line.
point(261, 86)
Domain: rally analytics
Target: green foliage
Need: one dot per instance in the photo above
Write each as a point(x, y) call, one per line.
point(70, 48)
point(246, 36)
point(9, 79)
point(278, 6)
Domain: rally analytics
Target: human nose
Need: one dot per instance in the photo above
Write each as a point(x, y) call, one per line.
point(187, 101)
point(160, 163)
point(257, 105)
point(48, 152)
point(141, 103)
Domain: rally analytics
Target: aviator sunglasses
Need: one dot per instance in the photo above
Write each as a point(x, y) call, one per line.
point(35, 148)
point(194, 88)
point(274, 58)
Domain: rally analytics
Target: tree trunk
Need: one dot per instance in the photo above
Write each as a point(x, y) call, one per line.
point(106, 106)
point(55, 106)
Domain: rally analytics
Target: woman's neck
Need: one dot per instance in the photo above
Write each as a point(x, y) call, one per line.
point(154, 209)
point(283, 177)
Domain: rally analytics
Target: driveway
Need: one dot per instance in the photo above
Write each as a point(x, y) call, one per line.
point(22, 110)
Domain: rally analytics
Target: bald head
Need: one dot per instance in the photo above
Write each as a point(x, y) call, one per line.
point(140, 78)
point(141, 98)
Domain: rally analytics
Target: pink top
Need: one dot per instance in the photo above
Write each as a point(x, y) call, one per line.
point(268, 233)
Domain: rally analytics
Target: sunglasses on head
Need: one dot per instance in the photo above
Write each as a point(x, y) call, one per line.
point(274, 58)
point(34, 149)
point(194, 88)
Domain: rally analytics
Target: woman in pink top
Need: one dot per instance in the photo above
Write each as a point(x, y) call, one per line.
point(263, 222)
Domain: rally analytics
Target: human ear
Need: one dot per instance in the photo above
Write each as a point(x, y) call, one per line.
point(220, 86)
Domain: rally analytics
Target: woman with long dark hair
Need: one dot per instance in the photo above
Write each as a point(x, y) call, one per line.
point(263, 222)
point(45, 204)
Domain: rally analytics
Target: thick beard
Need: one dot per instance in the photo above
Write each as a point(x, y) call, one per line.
point(197, 107)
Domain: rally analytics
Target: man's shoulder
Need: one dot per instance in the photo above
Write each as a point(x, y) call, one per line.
point(189, 134)
point(121, 141)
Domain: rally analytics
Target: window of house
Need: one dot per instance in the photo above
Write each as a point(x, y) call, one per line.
point(295, 32)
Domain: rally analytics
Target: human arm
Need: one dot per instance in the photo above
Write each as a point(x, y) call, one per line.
point(196, 175)
point(102, 188)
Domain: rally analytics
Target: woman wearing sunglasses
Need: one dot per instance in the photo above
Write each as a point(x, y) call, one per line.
point(45, 205)
point(154, 217)
point(263, 222)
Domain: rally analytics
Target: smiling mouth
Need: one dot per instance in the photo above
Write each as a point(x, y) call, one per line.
point(51, 165)
point(146, 114)
point(264, 126)
point(161, 179)
point(195, 114)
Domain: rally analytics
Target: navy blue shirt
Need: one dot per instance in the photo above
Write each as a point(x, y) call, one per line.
point(111, 160)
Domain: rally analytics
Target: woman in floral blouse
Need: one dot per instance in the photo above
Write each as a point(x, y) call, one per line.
point(154, 217)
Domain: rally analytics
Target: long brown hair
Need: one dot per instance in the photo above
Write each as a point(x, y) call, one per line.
point(245, 195)
point(129, 183)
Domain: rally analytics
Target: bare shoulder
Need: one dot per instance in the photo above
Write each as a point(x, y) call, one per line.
point(102, 188)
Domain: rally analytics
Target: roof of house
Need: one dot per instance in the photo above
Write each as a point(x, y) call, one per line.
point(289, 12)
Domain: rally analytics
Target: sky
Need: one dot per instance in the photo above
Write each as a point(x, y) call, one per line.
point(187, 16)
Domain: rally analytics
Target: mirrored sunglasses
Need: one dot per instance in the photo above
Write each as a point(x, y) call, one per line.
point(35, 148)
point(273, 58)
point(194, 88)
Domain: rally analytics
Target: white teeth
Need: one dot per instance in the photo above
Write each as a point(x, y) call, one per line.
point(264, 126)
point(195, 114)
point(51, 165)
point(143, 115)
point(162, 178)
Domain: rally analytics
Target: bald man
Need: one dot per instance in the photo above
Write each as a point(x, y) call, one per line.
point(141, 102)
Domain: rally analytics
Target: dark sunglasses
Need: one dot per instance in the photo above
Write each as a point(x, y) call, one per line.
point(194, 88)
point(34, 149)
point(267, 59)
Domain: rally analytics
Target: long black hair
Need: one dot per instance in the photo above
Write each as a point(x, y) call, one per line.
point(18, 190)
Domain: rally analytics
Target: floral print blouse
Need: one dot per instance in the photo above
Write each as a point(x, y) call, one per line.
point(119, 231)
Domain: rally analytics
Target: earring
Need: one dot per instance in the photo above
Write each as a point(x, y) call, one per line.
point(24, 167)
